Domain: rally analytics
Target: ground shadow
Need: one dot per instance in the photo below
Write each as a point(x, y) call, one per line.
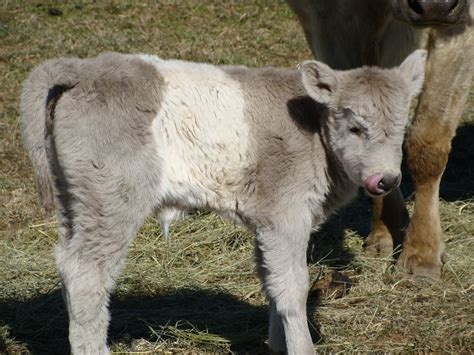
point(219, 313)
point(41, 322)
point(326, 246)
point(458, 179)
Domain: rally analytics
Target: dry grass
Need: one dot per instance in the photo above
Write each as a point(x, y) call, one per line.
point(197, 292)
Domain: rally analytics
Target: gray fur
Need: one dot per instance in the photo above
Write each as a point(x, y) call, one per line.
point(300, 144)
point(32, 108)
point(103, 189)
point(301, 163)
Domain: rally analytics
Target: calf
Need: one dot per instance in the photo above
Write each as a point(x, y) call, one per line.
point(274, 149)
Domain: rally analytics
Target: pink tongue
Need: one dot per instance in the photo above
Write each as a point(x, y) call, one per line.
point(372, 183)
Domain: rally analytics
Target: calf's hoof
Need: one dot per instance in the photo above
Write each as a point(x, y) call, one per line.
point(379, 244)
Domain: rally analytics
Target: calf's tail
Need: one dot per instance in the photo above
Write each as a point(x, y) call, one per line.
point(39, 95)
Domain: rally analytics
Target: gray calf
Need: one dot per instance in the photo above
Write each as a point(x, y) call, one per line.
point(274, 149)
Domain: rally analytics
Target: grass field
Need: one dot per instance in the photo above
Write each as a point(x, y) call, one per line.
point(198, 292)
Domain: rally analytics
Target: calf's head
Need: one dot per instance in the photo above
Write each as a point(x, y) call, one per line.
point(368, 112)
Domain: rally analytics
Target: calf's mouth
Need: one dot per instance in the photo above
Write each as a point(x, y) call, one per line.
point(379, 184)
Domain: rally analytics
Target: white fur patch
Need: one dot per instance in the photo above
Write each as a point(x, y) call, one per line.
point(201, 135)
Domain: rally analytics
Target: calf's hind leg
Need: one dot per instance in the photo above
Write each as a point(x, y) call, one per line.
point(94, 240)
point(281, 259)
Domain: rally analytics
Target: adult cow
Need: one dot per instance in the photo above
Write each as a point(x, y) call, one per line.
point(350, 33)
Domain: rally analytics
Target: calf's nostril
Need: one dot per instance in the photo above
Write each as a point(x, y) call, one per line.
point(389, 182)
point(381, 185)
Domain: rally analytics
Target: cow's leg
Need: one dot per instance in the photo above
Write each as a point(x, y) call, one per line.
point(96, 228)
point(379, 242)
point(447, 84)
point(281, 258)
point(389, 222)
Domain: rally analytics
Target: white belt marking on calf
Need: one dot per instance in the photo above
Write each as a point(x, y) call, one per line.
point(201, 135)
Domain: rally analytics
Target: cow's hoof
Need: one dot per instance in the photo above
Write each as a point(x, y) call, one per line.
point(419, 268)
point(379, 244)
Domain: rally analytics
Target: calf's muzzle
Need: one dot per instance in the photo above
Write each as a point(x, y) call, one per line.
point(379, 184)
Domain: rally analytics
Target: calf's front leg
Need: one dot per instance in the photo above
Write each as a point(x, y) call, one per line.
point(449, 72)
point(281, 259)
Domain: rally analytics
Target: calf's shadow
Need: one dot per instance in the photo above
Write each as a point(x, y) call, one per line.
point(41, 322)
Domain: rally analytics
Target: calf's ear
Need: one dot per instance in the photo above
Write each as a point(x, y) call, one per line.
point(319, 80)
point(413, 70)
